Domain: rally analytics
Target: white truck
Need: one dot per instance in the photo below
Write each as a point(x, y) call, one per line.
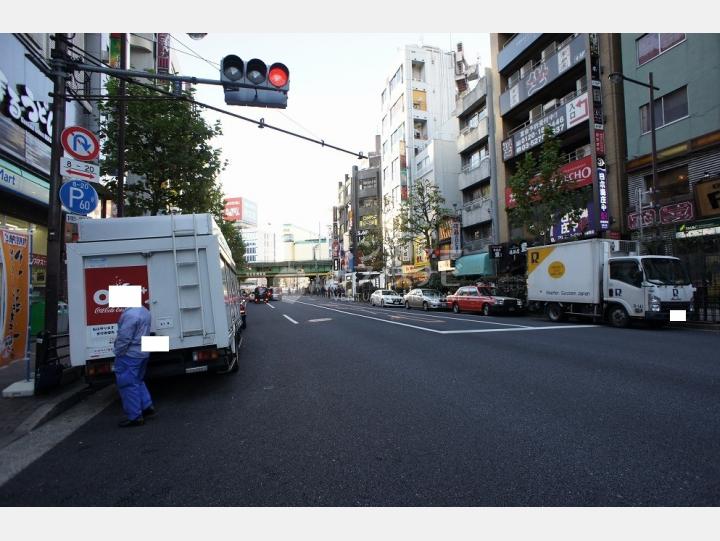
point(187, 278)
point(605, 278)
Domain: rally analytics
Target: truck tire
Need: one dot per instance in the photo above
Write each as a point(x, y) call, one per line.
point(618, 317)
point(456, 308)
point(555, 313)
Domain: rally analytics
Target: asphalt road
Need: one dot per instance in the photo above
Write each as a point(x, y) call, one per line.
point(388, 407)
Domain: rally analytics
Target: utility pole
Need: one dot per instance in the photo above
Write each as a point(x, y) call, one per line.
point(56, 235)
point(121, 114)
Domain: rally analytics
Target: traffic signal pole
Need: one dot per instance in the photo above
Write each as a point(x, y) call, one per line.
point(55, 231)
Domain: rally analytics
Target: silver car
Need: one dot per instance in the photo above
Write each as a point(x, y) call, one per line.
point(427, 299)
point(385, 297)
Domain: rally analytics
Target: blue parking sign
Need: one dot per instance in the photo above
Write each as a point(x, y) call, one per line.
point(78, 197)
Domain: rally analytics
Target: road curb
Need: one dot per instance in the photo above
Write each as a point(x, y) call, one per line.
point(697, 325)
point(77, 392)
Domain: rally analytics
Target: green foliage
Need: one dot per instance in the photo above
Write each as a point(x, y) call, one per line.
point(371, 250)
point(422, 213)
point(540, 191)
point(168, 147)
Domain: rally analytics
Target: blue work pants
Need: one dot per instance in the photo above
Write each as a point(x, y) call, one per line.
point(130, 376)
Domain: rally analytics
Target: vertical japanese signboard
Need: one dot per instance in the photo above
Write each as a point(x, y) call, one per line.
point(597, 133)
point(14, 295)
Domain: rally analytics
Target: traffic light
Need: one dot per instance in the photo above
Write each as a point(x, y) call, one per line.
point(253, 84)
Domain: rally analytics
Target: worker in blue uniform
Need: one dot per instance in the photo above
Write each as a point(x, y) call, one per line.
point(130, 365)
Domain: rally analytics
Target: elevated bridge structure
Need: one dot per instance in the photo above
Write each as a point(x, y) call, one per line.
point(316, 270)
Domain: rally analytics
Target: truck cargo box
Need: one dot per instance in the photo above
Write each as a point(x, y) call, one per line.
point(185, 271)
point(568, 273)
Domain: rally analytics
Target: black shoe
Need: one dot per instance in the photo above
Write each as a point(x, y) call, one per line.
point(149, 412)
point(134, 422)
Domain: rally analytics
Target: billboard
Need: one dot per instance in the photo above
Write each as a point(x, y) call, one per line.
point(579, 172)
point(239, 209)
point(561, 119)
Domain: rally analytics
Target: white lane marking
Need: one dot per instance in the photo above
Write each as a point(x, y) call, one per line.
point(270, 305)
point(522, 329)
point(290, 319)
point(453, 332)
point(369, 317)
point(21, 453)
point(377, 310)
point(319, 320)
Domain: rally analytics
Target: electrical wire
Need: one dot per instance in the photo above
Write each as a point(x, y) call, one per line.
point(260, 124)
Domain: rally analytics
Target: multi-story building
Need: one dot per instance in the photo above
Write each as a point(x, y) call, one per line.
point(477, 181)
point(417, 105)
point(25, 141)
point(555, 80)
point(681, 208)
point(366, 201)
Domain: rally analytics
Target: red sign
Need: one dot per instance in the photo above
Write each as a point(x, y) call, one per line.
point(97, 291)
point(163, 53)
point(600, 142)
point(233, 209)
point(679, 212)
point(579, 172)
point(80, 143)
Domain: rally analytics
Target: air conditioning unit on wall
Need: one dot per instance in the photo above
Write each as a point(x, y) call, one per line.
point(535, 113)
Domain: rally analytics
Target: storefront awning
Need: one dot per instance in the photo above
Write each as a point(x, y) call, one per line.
point(474, 265)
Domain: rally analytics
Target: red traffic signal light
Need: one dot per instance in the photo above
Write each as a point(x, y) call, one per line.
point(279, 75)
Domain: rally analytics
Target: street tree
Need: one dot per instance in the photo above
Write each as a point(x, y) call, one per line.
point(371, 253)
point(168, 151)
point(541, 192)
point(422, 214)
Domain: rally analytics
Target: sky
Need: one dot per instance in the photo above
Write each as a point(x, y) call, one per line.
point(335, 85)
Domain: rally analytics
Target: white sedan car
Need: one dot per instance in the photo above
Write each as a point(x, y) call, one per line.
point(386, 297)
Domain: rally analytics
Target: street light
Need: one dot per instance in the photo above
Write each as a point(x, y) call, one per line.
point(618, 78)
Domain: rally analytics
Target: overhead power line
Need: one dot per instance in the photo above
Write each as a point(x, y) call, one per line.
point(259, 123)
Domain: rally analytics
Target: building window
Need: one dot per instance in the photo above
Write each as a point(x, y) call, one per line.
point(383, 98)
point(671, 183)
point(367, 183)
point(668, 108)
point(385, 124)
point(395, 167)
point(397, 135)
point(397, 108)
point(651, 45)
point(420, 100)
point(397, 79)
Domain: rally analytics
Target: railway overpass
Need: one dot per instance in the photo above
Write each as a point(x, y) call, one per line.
point(316, 270)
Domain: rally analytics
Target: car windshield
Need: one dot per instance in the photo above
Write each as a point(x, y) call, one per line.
point(430, 293)
point(665, 271)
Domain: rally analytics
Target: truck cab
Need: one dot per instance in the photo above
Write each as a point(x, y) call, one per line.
point(647, 287)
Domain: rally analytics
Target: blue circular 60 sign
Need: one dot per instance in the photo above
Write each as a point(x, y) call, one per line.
point(79, 197)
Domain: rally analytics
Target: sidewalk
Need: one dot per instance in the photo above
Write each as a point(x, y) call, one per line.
point(20, 415)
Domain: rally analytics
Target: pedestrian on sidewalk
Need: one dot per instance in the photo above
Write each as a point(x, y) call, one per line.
point(130, 365)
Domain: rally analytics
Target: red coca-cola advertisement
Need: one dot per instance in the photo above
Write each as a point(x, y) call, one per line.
point(97, 291)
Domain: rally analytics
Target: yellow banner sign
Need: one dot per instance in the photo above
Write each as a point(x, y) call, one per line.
point(14, 295)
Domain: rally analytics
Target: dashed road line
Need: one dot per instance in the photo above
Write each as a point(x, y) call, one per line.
point(290, 319)
point(319, 320)
point(472, 331)
point(270, 305)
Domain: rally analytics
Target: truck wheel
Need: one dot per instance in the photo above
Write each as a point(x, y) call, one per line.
point(618, 317)
point(486, 309)
point(456, 308)
point(555, 313)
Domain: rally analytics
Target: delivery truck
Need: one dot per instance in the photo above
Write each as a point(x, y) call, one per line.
point(606, 279)
point(187, 280)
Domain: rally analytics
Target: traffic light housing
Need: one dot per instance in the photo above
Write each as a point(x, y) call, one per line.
point(253, 83)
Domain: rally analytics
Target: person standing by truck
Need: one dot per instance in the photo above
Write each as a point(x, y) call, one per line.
point(130, 364)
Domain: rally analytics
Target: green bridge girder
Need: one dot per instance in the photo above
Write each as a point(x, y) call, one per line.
point(287, 269)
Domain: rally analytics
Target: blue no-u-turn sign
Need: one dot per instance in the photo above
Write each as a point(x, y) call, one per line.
point(79, 197)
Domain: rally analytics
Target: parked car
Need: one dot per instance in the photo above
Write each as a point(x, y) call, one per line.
point(275, 293)
point(386, 297)
point(426, 299)
point(483, 299)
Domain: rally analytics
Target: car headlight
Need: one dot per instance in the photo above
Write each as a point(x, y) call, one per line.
point(500, 301)
point(519, 302)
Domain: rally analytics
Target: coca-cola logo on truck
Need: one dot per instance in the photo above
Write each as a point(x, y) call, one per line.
point(97, 291)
